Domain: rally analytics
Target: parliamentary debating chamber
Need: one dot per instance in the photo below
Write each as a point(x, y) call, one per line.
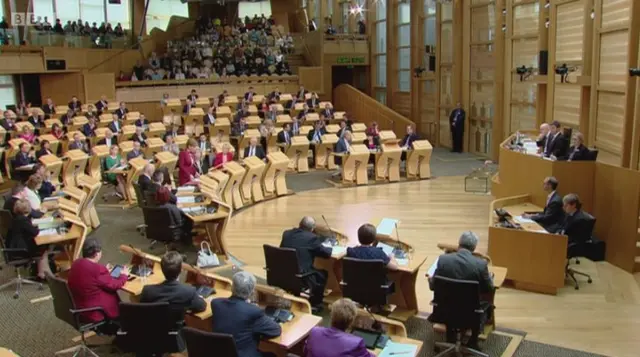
point(320, 178)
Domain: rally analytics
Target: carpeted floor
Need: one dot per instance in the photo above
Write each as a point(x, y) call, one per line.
point(32, 330)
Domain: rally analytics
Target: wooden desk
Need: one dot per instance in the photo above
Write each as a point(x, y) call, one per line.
point(193, 124)
point(283, 119)
point(154, 147)
point(7, 353)
point(253, 121)
point(53, 142)
point(95, 162)
point(418, 160)
point(54, 166)
point(223, 125)
point(298, 153)
point(273, 182)
point(244, 140)
point(251, 188)
point(387, 162)
point(156, 130)
point(324, 152)
point(358, 127)
point(354, 165)
point(214, 183)
point(88, 212)
point(214, 223)
point(534, 258)
point(74, 166)
point(132, 173)
point(71, 240)
point(168, 160)
point(131, 117)
point(231, 192)
point(223, 112)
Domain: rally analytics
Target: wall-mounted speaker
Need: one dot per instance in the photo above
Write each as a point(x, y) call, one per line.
point(432, 63)
point(543, 62)
point(56, 65)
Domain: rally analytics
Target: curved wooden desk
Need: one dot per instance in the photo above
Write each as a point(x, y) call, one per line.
point(252, 181)
point(88, 212)
point(324, 152)
point(418, 160)
point(54, 166)
point(95, 162)
point(273, 182)
point(74, 166)
point(71, 238)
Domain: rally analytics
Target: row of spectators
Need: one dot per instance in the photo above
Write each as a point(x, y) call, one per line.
point(78, 28)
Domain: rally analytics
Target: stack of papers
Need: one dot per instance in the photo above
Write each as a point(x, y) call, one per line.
point(192, 209)
point(433, 267)
point(338, 250)
point(521, 220)
point(187, 199)
point(52, 198)
point(403, 262)
point(186, 189)
point(48, 232)
point(40, 221)
point(386, 226)
point(398, 349)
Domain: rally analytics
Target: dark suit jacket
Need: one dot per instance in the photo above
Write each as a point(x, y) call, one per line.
point(181, 297)
point(313, 103)
point(132, 155)
point(577, 227)
point(312, 132)
point(463, 265)
point(113, 129)
point(301, 94)
point(103, 141)
point(581, 154)
point(22, 159)
point(303, 114)
point(140, 122)
point(76, 106)
point(327, 113)
point(307, 244)
point(150, 194)
point(553, 215)
point(186, 109)
point(43, 152)
point(206, 120)
point(541, 143)
point(22, 235)
point(409, 139)
point(49, 109)
point(246, 322)
point(88, 131)
point(281, 138)
point(460, 121)
point(11, 201)
point(145, 183)
point(341, 146)
point(259, 153)
point(340, 132)
point(246, 95)
point(556, 146)
point(35, 121)
point(5, 124)
point(78, 146)
point(121, 113)
point(99, 105)
point(141, 139)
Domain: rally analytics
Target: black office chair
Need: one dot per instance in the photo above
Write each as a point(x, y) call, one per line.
point(148, 328)
point(201, 343)
point(6, 220)
point(283, 270)
point(159, 228)
point(18, 259)
point(577, 249)
point(65, 310)
point(142, 202)
point(365, 281)
point(456, 304)
point(592, 155)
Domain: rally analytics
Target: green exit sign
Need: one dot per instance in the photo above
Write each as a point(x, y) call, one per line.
point(351, 60)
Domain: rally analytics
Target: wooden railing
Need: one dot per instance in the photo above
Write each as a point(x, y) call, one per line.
point(365, 109)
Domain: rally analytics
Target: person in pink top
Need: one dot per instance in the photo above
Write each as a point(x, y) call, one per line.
point(27, 134)
point(334, 341)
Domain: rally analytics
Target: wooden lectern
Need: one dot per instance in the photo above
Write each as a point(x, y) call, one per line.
point(214, 183)
point(127, 133)
point(387, 164)
point(154, 146)
point(304, 130)
point(104, 120)
point(231, 192)
point(88, 213)
point(354, 165)
point(332, 128)
point(223, 112)
point(358, 127)
point(244, 140)
point(131, 117)
point(156, 130)
point(72, 200)
point(193, 122)
point(181, 141)
point(77, 123)
point(324, 152)
point(74, 166)
point(253, 121)
point(418, 166)
point(273, 182)
point(95, 162)
point(54, 166)
point(221, 124)
point(53, 142)
point(311, 118)
point(283, 119)
point(298, 153)
point(252, 182)
point(168, 160)
point(71, 241)
point(386, 135)
point(134, 171)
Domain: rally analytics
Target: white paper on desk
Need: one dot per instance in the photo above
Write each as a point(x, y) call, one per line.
point(39, 221)
point(386, 226)
point(50, 199)
point(338, 250)
point(27, 167)
point(398, 349)
point(521, 219)
point(386, 248)
point(433, 267)
point(189, 209)
point(186, 199)
point(48, 232)
point(402, 262)
point(118, 168)
point(186, 189)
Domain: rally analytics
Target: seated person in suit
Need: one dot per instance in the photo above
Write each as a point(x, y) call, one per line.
point(193, 96)
point(224, 156)
point(541, 141)
point(301, 94)
point(45, 149)
point(577, 151)
point(284, 136)
point(313, 102)
point(343, 128)
point(115, 126)
point(91, 285)
point(178, 218)
point(78, 143)
point(139, 136)
point(315, 136)
point(144, 180)
point(254, 149)
point(237, 316)
point(327, 112)
point(114, 160)
point(181, 297)
point(463, 265)
point(18, 192)
point(102, 104)
point(302, 116)
point(122, 111)
point(108, 139)
point(335, 341)
point(142, 122)
point(576, 225)
point(552, 216)
point(67, 119)
point(170, 145)
point(135, 152)
point(75, 104)
point(408, 139)
point(239, 126)
point(158, 181)
point(209, 118)
point(308, 245)
point(22, 235)
point(47, 188)
point(367, 249)
point(23, 157)
point(343, 146)
point(89, 129)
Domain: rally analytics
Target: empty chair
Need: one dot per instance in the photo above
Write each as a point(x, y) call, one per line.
point(201, 343)
point(159, 228)
point(17, 263)
point(148, 328)
point(283, 269)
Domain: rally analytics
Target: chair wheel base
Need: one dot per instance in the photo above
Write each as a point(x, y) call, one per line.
point(16, 296)
point(589, 281)
point(577, 287)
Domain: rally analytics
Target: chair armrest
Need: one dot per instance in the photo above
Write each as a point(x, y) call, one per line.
point(13, 250)
point(304, 275)
point(386, 286)
point(76, 312)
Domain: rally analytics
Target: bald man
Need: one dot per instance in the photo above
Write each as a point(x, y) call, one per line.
point(308, 245)
point(144, 181)
point(254, 149)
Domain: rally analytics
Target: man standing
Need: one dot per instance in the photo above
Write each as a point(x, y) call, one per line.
point(456, 124)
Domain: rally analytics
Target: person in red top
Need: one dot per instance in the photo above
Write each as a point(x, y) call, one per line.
point(92, 285)
point(373, 130)
point(186, 164)
point(223, 156)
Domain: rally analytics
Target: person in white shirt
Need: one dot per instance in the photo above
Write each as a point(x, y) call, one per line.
point(31, 192)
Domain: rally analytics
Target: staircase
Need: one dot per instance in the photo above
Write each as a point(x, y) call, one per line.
point(295, 60)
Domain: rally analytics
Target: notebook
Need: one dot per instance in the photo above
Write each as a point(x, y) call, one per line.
point(386, 248)
point(398, 349)
point(386, 226)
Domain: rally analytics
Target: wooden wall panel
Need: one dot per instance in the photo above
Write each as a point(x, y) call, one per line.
point(525, 53)
point(62, 86)
point(428, 117)
point(481, 23)
point(16, 62)
point(401, 102)
point(312, 78)
point(613, 60)
point(525, 19)
point(608, 126)
point(569, 34)
point(523, 117)
point(566, 108)
point(446, 53)
point(615, 13)
point(99, 84)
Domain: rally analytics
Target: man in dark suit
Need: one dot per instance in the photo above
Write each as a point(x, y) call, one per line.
point(7, 121)
point(209, 118)
point(23, 158)
point(115, 126)
point(35, 120)
point(89, 129)
point(344, 143)
point(49, 108)
point(246, 322)
point(300, 96)
point(313, 102)
point(343, 128)
point(284, 136)
point(108, 139)
point(139, 136)
point(315, 135)
point(144, 180)
point(254, 149)
point(75, 105)
point(248, 96)
point(102, 104)
point(456, 124)
point(181, 297)
point(303, 113)
point(327, 112)
point(136, 152)
point(193, 96)
point(157, 181)
point(409, 138)
point(275, 95)
point(578, 152)
point(577, 225)
point(122, 111)
point(552, 216)
point(78, 143)
point(463, 265)
point(556, 145)
point(67, 118)
point(308, 245)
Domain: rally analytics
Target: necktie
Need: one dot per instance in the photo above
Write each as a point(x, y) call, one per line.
point(286, 137)
point(316, 136)
point(251, 151)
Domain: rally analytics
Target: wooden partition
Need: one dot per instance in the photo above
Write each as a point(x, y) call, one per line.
point(365, 109)
point(445, 82)
point(312, 78)
point(99, 84)
point(62, 86)
point(21, 59)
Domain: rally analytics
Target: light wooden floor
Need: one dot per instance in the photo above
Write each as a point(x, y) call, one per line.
point(603, 317)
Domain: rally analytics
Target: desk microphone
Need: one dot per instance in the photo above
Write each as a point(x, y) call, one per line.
point(332, 237)
point(143, 270)
point(398, 252)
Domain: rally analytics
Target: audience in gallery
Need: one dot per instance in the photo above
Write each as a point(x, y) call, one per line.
point(245, 48)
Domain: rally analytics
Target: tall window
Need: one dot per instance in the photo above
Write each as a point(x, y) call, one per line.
point(42, 8)
point(119, 13)
point(250, 9)
point(160, 12)
point(380, 52)
point(92, 11)
point(404, 47)
point(87, 10)
point(7, 91)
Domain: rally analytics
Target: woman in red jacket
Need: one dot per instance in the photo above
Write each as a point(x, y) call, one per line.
point(186, 163)
point(92, 285)
point(223, 156)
